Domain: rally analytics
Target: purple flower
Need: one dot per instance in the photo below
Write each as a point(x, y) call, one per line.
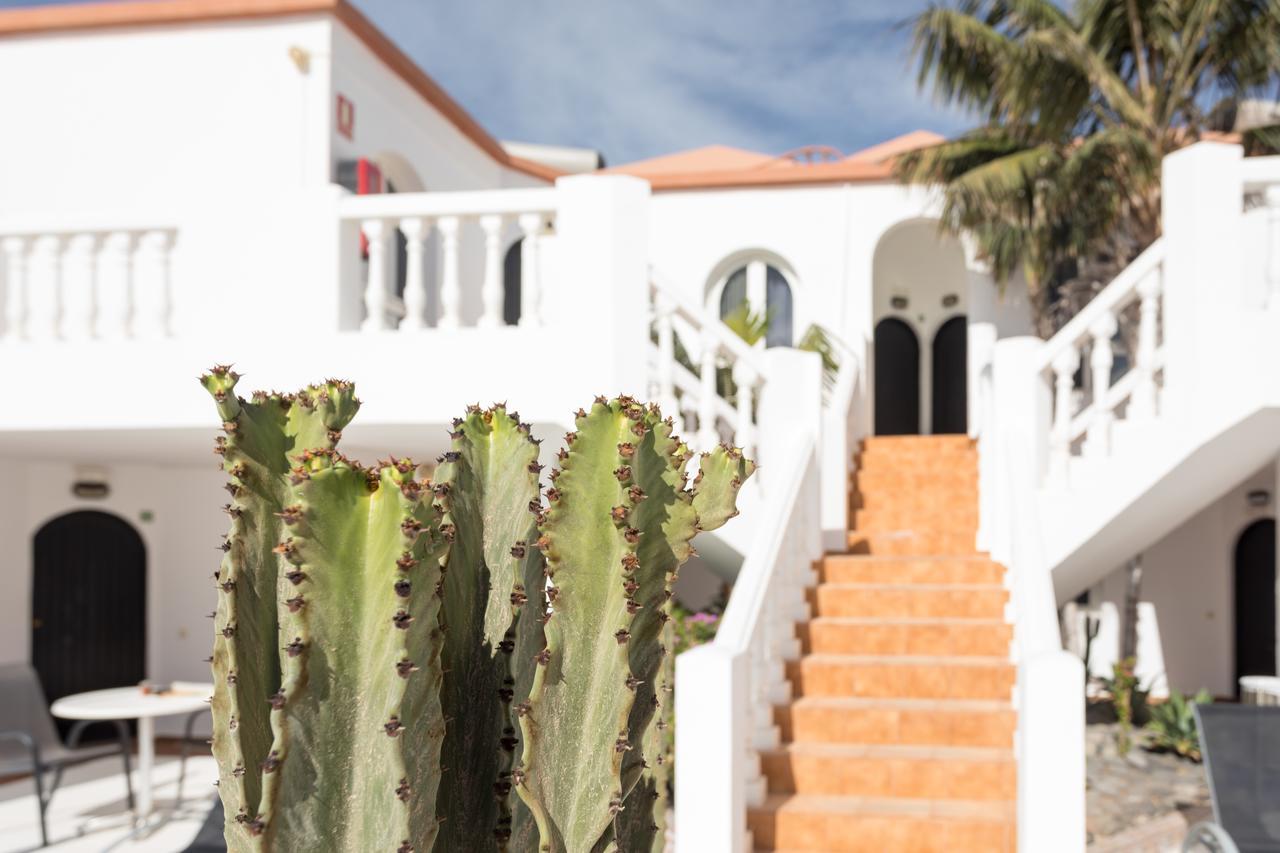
point(704, 619)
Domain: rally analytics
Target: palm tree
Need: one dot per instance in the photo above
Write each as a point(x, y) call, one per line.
point(1078, 109)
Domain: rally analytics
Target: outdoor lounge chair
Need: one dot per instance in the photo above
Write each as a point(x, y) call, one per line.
point(29, 741)
point(1241, 747)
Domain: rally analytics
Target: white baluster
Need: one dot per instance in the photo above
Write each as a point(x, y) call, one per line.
point(1142, 404)
point(530, 272)
point(1098, 443)
point(708, 435)
point(15, 287)
point(377, 290)
point(745, 377)
point(415, 231)
point(1065, 365)
point(115, 285)
point(663, 309)
point(78, 299)
point(491, 284)
point(44, 308)
point(688, 412)
point(1272, 196)
point(151, 297)
point(450, 284)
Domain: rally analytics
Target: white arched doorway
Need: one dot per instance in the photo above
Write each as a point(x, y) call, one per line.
point(919, 314)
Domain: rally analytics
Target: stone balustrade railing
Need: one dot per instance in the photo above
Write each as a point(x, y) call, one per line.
point(1086, 428)
point(91, 283)
point(489, 221)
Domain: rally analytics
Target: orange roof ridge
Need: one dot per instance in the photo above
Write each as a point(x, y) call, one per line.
point(892, 147)
point(137, 13)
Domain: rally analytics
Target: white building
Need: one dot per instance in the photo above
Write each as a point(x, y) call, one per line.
point(189, 182)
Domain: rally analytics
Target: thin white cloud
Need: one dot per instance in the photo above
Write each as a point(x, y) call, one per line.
point(638, 79)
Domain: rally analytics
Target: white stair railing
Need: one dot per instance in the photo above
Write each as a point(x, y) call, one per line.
point(710, 415)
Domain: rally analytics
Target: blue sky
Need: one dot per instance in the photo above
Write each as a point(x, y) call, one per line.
point(636, 79)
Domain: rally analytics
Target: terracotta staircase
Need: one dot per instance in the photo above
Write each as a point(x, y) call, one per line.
point(900, 735)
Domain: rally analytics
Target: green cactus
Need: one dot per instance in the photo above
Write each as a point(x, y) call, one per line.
point(326, 633)
point(383, 651)
point(487, 488)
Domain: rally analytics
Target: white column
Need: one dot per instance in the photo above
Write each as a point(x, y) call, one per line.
point(377, 288)
point(530, 273)
point(1098, 443)
point(15, 287)
point(1065, 365)
point(79, 268)
point(450, 284)
point(1142, 405)
point(44, 307)
point(415, 232)
point(708, 435)
point(491, 284)
point(663, 310)
point(146, 760)
point(152, 304)
point(712, 705)
point(115, 283)
point(745, 378)
point(1272, 196)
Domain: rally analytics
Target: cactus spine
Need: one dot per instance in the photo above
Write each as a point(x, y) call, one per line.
point(383, 651)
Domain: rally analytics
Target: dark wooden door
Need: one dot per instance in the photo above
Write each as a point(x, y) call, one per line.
point(897, 389)
point(1255, 595)
point(951, 378)
point(88, 604)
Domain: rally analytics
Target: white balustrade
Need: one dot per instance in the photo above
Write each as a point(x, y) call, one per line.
point(1101, 360)
point(85, 284)
point(473, 230)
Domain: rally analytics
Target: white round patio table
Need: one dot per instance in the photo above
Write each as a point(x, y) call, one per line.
point(130, 703)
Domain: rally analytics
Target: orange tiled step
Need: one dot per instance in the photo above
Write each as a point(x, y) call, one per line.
point(911, 543)
point(859, 770)
point(889, 601)
point(902, 676)
point(956, 520)
point(861, 825)
point(878, 636)
point(883, 481)
point(859, 568)
point(907, 443)
point(920, 722)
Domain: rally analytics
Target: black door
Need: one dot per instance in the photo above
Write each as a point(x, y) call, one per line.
point(511, 263)
point(1255, 571)
point(897, 391)
point(951, 377)
point(88, 604)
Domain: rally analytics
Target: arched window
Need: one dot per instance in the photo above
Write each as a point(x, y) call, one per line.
point(766, 294)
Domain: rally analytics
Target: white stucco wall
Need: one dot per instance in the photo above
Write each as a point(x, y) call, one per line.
point(1186, 621)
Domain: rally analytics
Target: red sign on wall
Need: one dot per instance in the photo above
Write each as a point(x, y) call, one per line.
point(346, 117)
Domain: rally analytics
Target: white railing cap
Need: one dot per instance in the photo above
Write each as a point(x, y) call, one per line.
point(1260, 172)
point(435, 204)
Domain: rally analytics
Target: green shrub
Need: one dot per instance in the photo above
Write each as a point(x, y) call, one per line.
point(1173, 724)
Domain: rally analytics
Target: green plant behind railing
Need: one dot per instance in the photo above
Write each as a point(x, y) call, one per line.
point(402, 665)
point(1122, 686)
point(1173, 724)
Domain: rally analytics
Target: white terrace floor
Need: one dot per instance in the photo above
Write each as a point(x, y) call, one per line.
point(94, 794)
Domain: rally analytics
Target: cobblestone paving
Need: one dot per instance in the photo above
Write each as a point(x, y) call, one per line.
point(1124, 793)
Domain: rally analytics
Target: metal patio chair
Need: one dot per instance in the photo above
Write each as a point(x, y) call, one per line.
point(29, 741)
point(1241, 747)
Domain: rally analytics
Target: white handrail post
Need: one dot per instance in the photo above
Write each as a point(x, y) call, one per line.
point(745, 378)
point(708, 435)
point(1272, 198)
point(79, 266)
point(450, 283)
point(530, 273)
point(712, 705)
point(663, 309)
point(1142, 405)
point(1098, 443)
point(43, 286)
point(415, 230)
point(15, 287)
point(115, 286)
point(378, 286)
point(1065, 365)
point(491, 285)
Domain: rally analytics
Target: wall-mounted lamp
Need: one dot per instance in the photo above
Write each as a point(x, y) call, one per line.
point(1258, 498)
point(950, 300)
point(898, 303)
point(301, 58)
point(90, 483)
